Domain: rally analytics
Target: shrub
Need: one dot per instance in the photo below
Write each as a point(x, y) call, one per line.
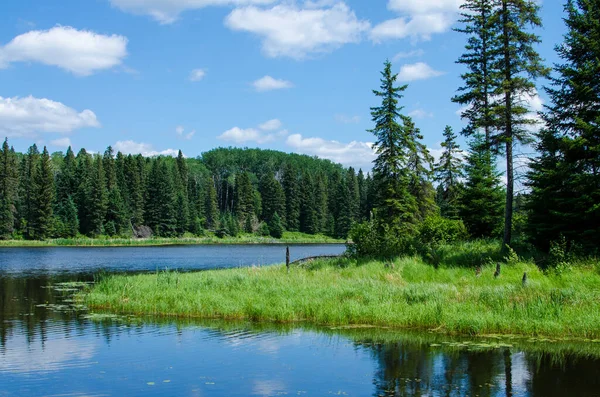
point(377, 239)
point(276, 228)
point(263, 230)
point(439, 230)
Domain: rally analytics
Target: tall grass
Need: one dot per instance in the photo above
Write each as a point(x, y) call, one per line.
point(288, 238)
point(405, 293)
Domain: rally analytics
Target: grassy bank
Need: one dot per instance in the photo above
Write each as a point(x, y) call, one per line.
point(409, 294)
point(288, 238)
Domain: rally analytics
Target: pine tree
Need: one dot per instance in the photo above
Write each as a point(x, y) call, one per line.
point(345, 210)
point(211, 209)
point(321, 203)
point(292, 197)
point(273, 197)
point(160, 211)
point(308, 213)
point(518, 64)
point(480, 81)
point(363, 194)
point(42, 198)
point(565, 179)
point(276, 226)
point(9, 179)
point(244, 197)
point(481, 201)
point(96, 198)
point(68, 220)
point(84, 171)
point(135, 189)
point(448, 172)
point(181, 192)
point(420, 168)
point(115, 221)
point(353, 194)
point(396, 206)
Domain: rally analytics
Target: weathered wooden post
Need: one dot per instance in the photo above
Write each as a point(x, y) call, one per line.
point(497, 272)
point(287, 258)
point(524, 280)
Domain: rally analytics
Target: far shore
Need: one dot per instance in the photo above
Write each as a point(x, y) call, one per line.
point(246, 239)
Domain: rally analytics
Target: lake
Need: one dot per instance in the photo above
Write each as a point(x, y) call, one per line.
point(49, 347)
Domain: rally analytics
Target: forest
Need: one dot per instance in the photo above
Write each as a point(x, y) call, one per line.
point(405, 201)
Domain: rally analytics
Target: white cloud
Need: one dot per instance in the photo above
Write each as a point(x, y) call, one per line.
point(410, 54)
point(81, 52)
point(145, 149)
point(270, 125)
point(61, 142)
point(355, 153)
point(167, 11)
point(418, 19)
point(296, 32)
point(180, 130)
point(29, 116)
point(420, 114)
point(268, 83)
point(345, 119)
point(417, 71)
point(197, 74)
point(241, 136)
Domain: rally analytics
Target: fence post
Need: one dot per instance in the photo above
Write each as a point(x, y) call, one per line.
point(287, 258)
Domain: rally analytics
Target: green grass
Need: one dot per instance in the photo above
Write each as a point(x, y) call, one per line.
point(411, 294)
point(288, 238)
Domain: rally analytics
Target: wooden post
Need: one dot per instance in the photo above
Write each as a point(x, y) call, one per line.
point(524, 280)
point(287, 258)
point(497, 272)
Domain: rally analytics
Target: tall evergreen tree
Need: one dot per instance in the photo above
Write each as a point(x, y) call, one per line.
point(160, 211)
point(211, 208)
point(480, 81)
point(344, 219)
point(353, 194)
point(96, 196)
point(518, 64)
point(292, 197)
point(115, 221)
point(42, 198)
point(9, 179)
point(273, 198)
point(308, 212)
point(84, 169)
point(29, 168)
point(481, 201)
point(321, 203)
point(420, 168)
point(133, 175)
point(448, 172)
point(244, 198)
point(363, 195)
point(565, 179)
point(396, 206)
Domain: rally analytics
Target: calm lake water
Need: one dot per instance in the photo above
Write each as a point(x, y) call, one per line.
point(48, 347)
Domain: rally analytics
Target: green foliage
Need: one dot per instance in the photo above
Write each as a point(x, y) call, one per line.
point(377, 239)
point(263, 230)
point(448, 172)
point(42, 199)
point(276, 226)
point(436, 229)
point(9, 178)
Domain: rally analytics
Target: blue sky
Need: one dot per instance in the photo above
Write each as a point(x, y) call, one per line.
point(154, 76)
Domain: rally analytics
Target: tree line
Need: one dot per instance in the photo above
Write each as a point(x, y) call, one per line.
point(226, 190)
point(562, 202)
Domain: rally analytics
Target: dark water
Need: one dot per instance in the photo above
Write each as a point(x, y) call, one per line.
point(50, 348)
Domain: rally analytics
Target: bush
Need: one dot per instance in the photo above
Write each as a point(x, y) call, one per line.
point(263, 230)
point(379, 240)
point(439, 230)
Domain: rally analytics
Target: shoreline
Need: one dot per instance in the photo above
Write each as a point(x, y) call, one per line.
point(295, 239)
point(409, 294)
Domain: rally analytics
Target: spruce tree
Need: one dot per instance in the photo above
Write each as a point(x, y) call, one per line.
point(84, 170)
point(345, 210)
point(96, 198)
point(518, 65)
point(115, 221)
point(244, 197)
point(273, 197)
point(292, 197)
point(321, 203)
point(480, 81)
point(481, 201)
point(565, 178)
point(395, 205)
point(68, 219)
point(276, 226)
point(363, 194)
point(42, 198)
point(354, 194)
point(160, 211)
point(135, 189)
point(9, 179)
point(181, 192)
point(420, 168)
point(448, 172)
point(210, 207)
point(308, 213)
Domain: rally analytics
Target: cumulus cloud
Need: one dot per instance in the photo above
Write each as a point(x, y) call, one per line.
point(345, 119)
point(287, 30)
point(167, 11)
point(145, 149)
point(197, 74)
point(61, 142)
point(418, 19)
point(28, 116)
point(417, 71)
point(81, 52)
point(355, 153)
point(244, 135)
point(270, 125)
point(268, 83)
